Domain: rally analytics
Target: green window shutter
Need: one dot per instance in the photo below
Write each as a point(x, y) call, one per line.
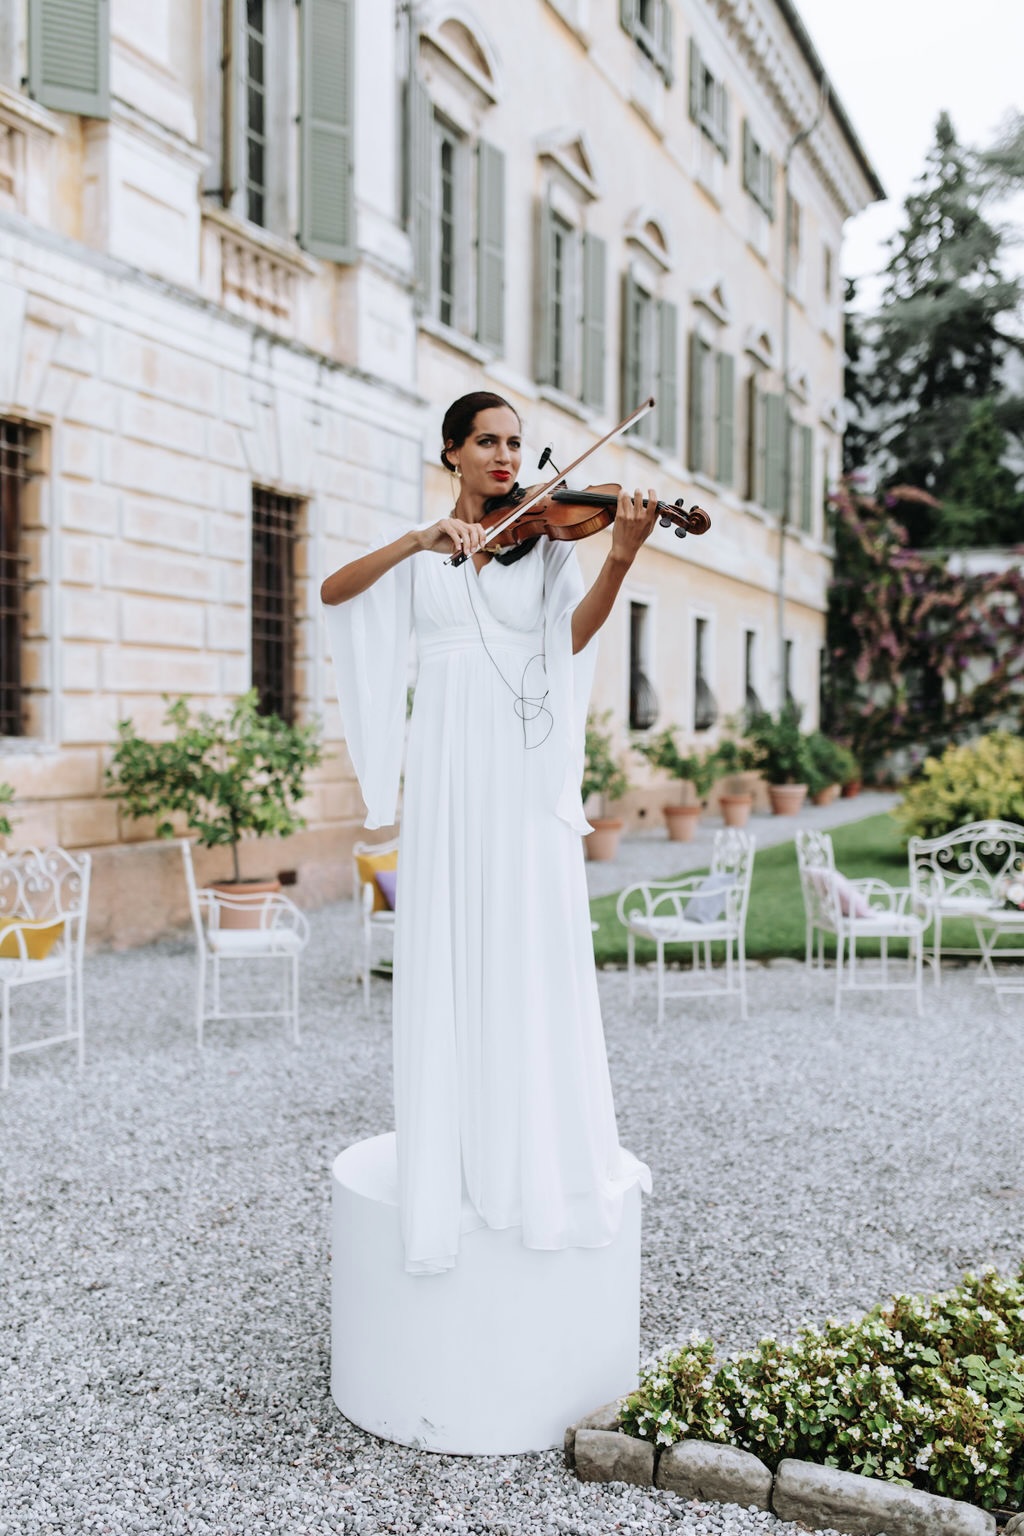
point(668, 376)
point(69, 55)
point(696, 72)
point(748, 159)
point(594, 320)
point(665, 50)
point(696, 411)
point(545, 296)
point(722, 118)
point(775, 448)
point(726, 399)
point(234, 75)
point(769, 201)
point(490, 281)
point(755, 441)
point(806, 476)
point(327, 212)
point(630, 355)
point(420, 153)
point(628, 15)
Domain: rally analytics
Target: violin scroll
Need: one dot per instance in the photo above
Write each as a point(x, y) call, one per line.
point(696, 521)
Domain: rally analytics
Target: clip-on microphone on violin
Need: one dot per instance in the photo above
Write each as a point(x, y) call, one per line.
point(546, 458)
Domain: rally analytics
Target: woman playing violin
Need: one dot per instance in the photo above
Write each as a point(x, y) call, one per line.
point(503, 1105)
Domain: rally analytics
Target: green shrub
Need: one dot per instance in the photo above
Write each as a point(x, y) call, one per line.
point(778, 745)
point(696, 768)
point(240, 775)
point(980, 781)
point(828, 763)
point(928, 1391)
point(603, 772)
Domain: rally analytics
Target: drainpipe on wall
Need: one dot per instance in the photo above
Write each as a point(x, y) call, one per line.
point(787, 448)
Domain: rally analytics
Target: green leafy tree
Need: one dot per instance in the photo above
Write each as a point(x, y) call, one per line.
point(237, 776)
point(941, 339)
point(982, 503)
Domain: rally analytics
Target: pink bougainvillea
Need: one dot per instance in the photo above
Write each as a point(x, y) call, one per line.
point(920, 653)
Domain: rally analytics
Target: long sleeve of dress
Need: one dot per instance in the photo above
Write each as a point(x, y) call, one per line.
point(570, 678)
point(369, 640)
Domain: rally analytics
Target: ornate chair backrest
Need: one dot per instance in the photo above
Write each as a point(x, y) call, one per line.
point(732, 854)
point(46, 885)
point(817, 865)
point(969, 863)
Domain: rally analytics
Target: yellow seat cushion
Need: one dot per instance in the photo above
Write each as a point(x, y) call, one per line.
point(368, 864)
point(38, 941)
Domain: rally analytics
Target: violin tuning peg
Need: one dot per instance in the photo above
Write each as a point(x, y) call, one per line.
point(665, 520)
point(680, 533)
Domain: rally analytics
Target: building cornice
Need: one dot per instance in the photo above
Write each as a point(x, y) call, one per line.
point(834, 148)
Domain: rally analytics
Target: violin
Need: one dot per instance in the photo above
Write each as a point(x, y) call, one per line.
point(555, 512)
point(565, 514)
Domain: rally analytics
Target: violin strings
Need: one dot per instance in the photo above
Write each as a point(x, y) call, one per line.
point(528, 709)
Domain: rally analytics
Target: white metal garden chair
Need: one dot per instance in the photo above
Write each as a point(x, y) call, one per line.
point(961, 875)
point(277, 930)
point(699, 911)
point(377, 922)
point(857, 909)
point(44, 902)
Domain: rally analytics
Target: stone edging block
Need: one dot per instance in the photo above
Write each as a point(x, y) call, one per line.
point(821, 1497)
point(866, 1506)
point(697, 1469)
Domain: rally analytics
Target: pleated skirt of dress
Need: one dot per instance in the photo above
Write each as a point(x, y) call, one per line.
point(503, 1101)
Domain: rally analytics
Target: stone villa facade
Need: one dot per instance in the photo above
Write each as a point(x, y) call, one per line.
point(250, 250)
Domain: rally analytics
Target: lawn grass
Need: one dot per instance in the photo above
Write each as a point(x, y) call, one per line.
point(775, 918)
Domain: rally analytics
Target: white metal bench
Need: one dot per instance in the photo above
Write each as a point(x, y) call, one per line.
point(963, 874)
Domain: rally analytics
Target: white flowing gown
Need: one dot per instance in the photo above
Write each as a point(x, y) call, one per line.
point(503, 1105)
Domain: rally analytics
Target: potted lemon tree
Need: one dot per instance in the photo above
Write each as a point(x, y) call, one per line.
point(604, 776)
point(226, 779)
point(695, 773)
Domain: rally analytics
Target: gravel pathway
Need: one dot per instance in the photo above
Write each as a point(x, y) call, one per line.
point(163, 1235)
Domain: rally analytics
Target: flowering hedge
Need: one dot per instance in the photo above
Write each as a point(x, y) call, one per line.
point(920, 653)
point(928, 1391)
point(982, 780)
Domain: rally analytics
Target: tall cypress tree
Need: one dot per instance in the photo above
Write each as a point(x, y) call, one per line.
point(939, 339)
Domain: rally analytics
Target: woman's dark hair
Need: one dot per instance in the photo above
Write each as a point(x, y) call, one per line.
point(460, 416)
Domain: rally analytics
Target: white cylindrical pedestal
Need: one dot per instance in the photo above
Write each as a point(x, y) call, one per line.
point(497, 1356)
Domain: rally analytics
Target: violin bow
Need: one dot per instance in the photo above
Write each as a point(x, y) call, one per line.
point(538, 495)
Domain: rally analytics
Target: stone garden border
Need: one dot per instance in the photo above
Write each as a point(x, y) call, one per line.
point(822, 1497)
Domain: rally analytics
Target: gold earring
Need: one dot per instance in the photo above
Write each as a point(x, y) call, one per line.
point(458, 473)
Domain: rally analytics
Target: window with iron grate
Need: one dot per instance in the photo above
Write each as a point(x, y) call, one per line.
point(705, 705)
point(15, 447)
point(275, 523)
point(643, 701)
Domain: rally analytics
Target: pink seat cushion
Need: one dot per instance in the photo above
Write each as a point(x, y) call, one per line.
point(851, 902)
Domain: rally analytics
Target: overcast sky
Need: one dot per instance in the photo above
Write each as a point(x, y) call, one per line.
point(895, 65)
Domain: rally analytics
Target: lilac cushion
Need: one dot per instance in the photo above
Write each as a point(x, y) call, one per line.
point(707, 904)
point(851, 902)
point(385, 880)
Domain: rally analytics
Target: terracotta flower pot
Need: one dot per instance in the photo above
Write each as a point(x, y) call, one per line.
point(603, 842)
point(682, 822)
point(787, 799)
point(254, 893)
point(827, 795)
point(735, 809)
point(851, 789)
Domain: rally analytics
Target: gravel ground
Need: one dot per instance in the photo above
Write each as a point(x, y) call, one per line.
point(164, 1220)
